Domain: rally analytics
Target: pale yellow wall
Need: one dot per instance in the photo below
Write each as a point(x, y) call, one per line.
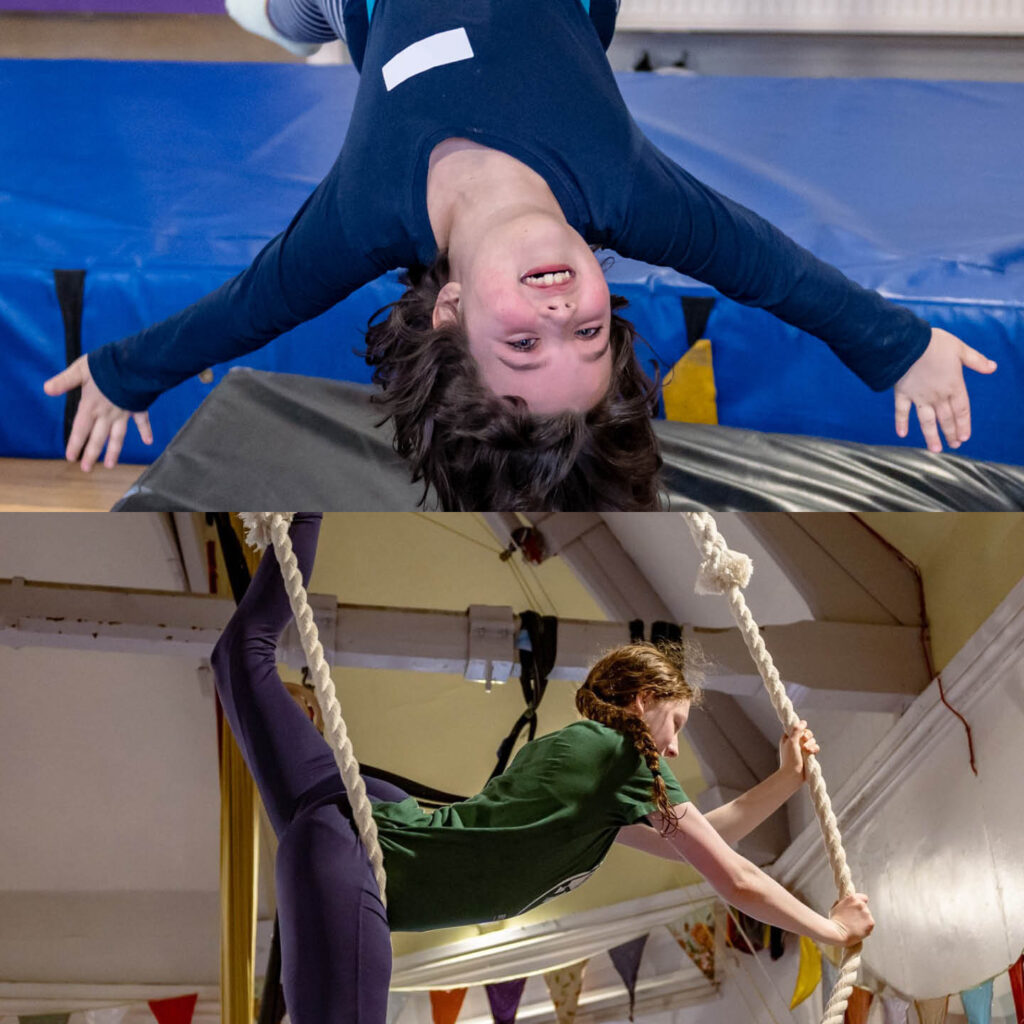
point(969, 561)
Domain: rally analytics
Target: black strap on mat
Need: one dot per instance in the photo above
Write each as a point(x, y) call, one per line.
point(70, 287)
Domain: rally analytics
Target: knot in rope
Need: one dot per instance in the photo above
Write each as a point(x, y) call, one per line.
point(720, 569)
point(723, 570)
point(257, 527)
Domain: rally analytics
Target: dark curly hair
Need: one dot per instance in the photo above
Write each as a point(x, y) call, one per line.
point(479, 451)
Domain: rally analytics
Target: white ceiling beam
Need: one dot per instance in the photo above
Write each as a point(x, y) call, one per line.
point(841, 665)
point(819, 656)
point(842, 568)
point(188, 528)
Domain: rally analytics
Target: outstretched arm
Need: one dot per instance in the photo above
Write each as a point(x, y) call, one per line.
point(742, 884)
point(739, 817)
point(677, 221)
point(305, 270)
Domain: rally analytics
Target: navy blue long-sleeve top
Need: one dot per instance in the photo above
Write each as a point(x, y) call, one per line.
point(538, 87)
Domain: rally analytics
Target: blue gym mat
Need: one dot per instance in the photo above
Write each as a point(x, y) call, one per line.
point(161, 180)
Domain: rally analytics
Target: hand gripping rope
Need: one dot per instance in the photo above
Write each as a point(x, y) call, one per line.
point(726, 572)
point(262, 529)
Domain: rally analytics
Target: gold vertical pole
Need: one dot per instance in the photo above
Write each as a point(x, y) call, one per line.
point(239, 863)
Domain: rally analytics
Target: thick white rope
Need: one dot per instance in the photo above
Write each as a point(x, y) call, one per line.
point(264, 528)
point(726, 572)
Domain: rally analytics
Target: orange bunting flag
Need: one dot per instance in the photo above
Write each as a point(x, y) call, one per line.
point(564, 986)
point(932, 1011)
point(174, 1011)
point(445, 1004)
point(858, 1006)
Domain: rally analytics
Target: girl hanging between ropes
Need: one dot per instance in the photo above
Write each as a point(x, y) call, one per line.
point(532, 833)
point(488, 150)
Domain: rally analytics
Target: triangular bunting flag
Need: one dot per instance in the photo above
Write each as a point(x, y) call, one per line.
point(396, 1003)
point(504, 998)
point(745, 933)
point(627, 962)
point(174, 1011)
point(808, 975)
point(695, 934)
point(894, 1009)
point(110, 1015)
point(829, 977)
point(978, 1003)
point(858, 1006)
point(445, 1004)
point(45, 1018)
point(1017, 986)
point(932, 1011)
point(564, 985)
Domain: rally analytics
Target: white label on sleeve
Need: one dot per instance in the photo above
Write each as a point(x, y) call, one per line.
point(433, 52)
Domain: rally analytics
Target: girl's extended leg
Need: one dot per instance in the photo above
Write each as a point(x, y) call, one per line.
point(290, 761)
point(307, 21)
point(335, 940)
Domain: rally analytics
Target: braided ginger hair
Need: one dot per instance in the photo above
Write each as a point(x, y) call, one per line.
point(652, 670)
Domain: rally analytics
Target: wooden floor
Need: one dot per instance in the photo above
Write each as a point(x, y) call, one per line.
point(53, 485)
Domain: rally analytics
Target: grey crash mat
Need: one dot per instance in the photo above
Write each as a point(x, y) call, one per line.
point(280, 441)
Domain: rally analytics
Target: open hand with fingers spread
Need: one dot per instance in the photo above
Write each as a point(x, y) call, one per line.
point(98, 421)
point(935, 386)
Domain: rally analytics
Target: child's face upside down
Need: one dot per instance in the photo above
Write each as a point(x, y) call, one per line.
point(535, 306)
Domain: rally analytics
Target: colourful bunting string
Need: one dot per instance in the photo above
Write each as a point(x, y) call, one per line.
point(808, 975)
point(445, 1004)
point(978, 1003)
point(932, 1011)
point(894, 1010)
point(1017, 987)
point(858, 1007)
point(504, 997)
point(178, 1010)
point(396, 1003)
point(564, 986)
point(829, 976)
point(695, 934)
point(745, 933)
point(626, 959)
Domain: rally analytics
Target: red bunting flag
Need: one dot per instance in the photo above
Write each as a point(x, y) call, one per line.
point(1017, 985)
point(178, 1010)
point(858, 1006)
point(445, 1004)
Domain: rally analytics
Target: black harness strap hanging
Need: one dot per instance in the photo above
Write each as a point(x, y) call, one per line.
point(534, 666)
point(661, 631)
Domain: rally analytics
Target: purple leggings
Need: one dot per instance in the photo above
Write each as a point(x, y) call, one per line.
point(335, 940)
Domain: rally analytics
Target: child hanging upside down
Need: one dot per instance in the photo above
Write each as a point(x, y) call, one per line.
point(488, 151)
point(548, 821)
